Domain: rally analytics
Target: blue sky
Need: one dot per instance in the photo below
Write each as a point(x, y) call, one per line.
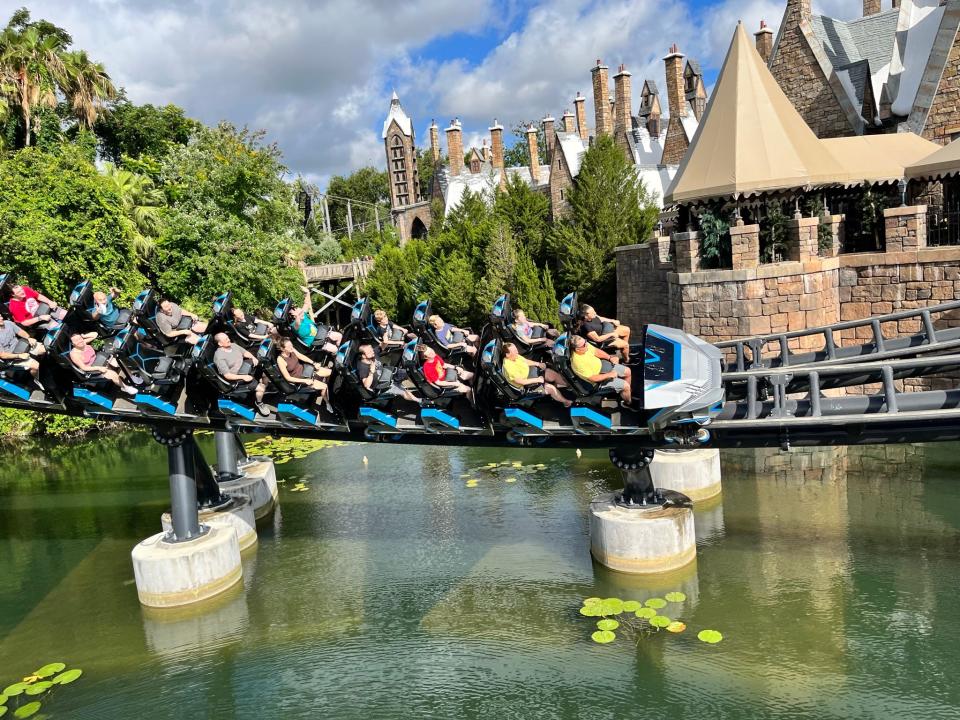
point(318, 74)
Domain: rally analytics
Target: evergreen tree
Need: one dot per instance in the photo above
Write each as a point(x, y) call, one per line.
point(501, 264)
point(609, 207)
point(533, 290)
point(527, 212)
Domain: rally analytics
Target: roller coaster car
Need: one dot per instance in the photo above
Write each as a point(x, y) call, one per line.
point(235, 396)
point(501, 322)
point(91, 391)
point(383, 414)
point(297, 404)
point(363, 328)
point(6, 291)
point(222, 321)
point(569, 312)
point(81, 307)
point(518, 404)
point(283, 322)
point(145, 309)
point(17, 383)
point(428, 335)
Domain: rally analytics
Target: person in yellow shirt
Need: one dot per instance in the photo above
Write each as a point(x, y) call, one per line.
point(596, 366)
point(533, 377)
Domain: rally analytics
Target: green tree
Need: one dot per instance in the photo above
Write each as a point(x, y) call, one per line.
point(426, 170)
point(527, 212)
point(87, 86)
point(500, 267)
point(366, 185)
point(609, 207)
point(533, 290)
point(142, 205)
point(397, 282)
point(519, 154)
point(61, 221)
point(450, 284)
point(129, 132)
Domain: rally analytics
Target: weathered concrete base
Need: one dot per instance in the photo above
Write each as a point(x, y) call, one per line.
point(641, 541)
point(173, 632)
point(238, 515)
point(610, 583)
point(259, 484)
point(695, 473)
point(175, 574)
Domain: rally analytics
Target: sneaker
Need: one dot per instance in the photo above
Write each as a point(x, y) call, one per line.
point(262, 409)
point(129, 390)
point(329, 407)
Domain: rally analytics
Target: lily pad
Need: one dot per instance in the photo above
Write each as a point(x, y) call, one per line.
point(656, 603)
point(593, 601)
point(15, 689)
point(660, 621)
point(603, 637)
point(631, 606)
point(608, 624)
point(675, 597)
point(37, 688)
point(65, 678)
point(676, 627)
point(646, 613)
point(3, 710)
point(711, 637)
point(510, 480)
point(3, 701)
point(590, 610)
point(28, 710)
point(612, 606)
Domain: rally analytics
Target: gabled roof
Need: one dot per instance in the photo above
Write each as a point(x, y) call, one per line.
point(647, 150)
point(573, 147)
point(396, 114)
point(751, 139)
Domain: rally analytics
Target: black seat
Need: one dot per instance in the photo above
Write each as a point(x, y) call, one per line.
point(158, 370)
point(501, 321)
point(222, 321)
point(145, 309)
point(202, 355)
point(570, 312)
point(81, 308)
point(428, 391)
point(429, 336)
point(584, 389)
point(58, 346)
point(268, 355)
point(491, 365)
point(346, 361)
point(6, 287)
point(283, 322)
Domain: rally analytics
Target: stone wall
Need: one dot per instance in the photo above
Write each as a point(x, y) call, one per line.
point(943, 119)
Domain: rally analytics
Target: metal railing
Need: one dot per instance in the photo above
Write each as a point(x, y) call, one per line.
point(353, 270)
point(943, 225)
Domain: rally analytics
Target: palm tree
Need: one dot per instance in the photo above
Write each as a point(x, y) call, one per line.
point(87, 87)
point(31, 58)
point(142, 204)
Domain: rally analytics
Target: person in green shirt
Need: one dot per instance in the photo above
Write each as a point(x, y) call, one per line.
point(533, 377)
point(596, 366)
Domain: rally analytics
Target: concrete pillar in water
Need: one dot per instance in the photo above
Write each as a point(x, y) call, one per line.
point(191, 562)
point(239, 475)
point(237, 513)
point(695, 473)
point(641, 530)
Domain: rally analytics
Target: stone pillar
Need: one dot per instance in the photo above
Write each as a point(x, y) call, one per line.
point(676, 98)
point(695, 473)
point(534, 155)
point(686, 248)
point(660, 248)
point(745, 246)
point(434, 142)
point(802, 238)
point(601, 99)
point(550, 136)
point(624, 99)
point(569, 123)
point(455, 148)
point(764, 38)
point(496, 142)
point(906, 228)
point(871, 7)
point(835, 223)
point(579, 107)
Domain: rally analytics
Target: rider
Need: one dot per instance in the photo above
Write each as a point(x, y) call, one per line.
point(533, 333)
point(86, 359)
point(175, 322)
point(309, 332)
point(596, 366)
point(26, 302)
point(453, 338)
point(291, 365)
point(377, 378)
point(254, 329)
point(235, 365)
point(14, 338)
point(534, 377)
point(104, 311)
point(438, 373)
point(607, 332)
point(388, 334)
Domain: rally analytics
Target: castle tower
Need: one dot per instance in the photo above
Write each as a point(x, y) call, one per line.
point(411, 213)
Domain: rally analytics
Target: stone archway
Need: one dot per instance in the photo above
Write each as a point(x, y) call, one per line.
point(418, 230)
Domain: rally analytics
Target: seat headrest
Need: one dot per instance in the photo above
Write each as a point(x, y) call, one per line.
point(223, 305)
point(410, 351)
point(266, 349)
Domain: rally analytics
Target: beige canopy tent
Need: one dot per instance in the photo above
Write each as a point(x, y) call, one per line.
point(877, 158)
point(752, 140)
point(945, 161)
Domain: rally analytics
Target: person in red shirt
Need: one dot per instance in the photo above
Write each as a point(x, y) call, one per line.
point(438, 373)
point(27, 308)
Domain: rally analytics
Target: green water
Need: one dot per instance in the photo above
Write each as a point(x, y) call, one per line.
point(392, 590)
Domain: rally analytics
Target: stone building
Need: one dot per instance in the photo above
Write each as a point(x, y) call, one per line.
point(891, 70)
point(410, 211)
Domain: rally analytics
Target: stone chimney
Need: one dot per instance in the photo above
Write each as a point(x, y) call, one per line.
point(676, 101)
point(601, 103)
point(764, 38)
point(797, 11)
point(534, 155)
point(871, 7)
point(569, 124)
point(455, 148)
point(579, 105)
point(434, 142)
point(624, 104)
point(550, 135)
point(496, 142)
